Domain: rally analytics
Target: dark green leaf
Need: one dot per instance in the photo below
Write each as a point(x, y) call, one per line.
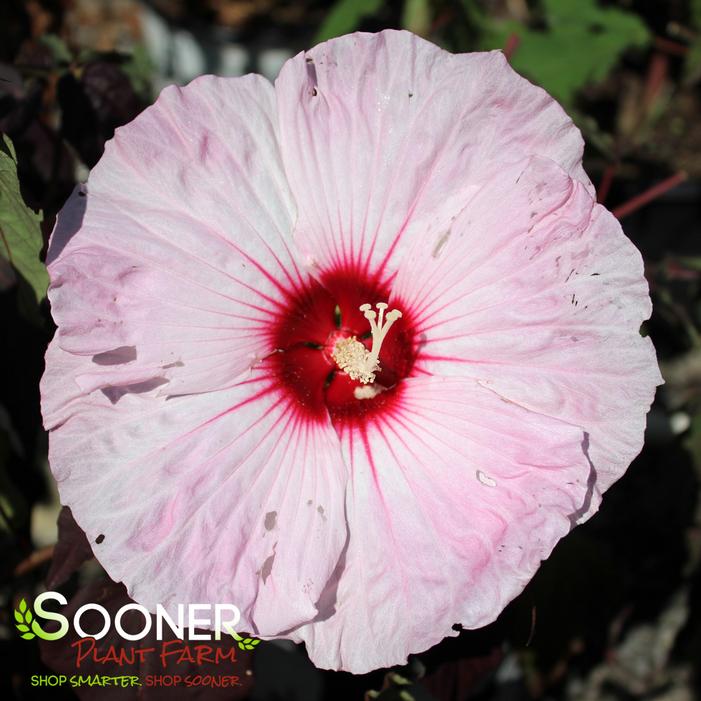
point(692, 65)
point(20, 234)
point(695, 13)
point(58, 48)
point(582, 43)
point(139, 70)
point(345, 16)
point(416, 16)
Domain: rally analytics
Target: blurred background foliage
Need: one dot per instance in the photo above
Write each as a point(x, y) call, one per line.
point(615, 613)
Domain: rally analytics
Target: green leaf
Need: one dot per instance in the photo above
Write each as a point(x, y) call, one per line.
point(691, 262)
point(345, 16)
point(255, 642)
point(139, 70)
point(399, 680)
point(28, 616)
point(22, 605)
point(18, 617)
point(20, 234)
point(582, 43)
point(13, 507)
point(416, 16)
point(395, 688)
point(692, 64)
point(695, 13)
point(28, 636)
point(248, 647)
point(246, 641)
point(60, 51)
point(22, 627)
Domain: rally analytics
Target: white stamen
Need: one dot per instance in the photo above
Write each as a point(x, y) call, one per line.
point(368, 391)
point(353, 357)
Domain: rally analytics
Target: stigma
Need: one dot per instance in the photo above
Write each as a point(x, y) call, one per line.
point(353, 357)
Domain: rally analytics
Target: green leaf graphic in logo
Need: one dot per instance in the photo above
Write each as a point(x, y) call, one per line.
point(245, 643)
point(29, 627)
point(24, 618)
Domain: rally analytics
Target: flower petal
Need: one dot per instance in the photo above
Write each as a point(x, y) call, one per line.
point(169, 265)
point(535, 291)
point(217, 497)
point(453, 503)
point(385, 134)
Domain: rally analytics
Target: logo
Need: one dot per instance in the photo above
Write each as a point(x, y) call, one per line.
point(220, 617)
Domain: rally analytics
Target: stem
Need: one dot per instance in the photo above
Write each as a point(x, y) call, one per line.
point(635, 203)
point(658, 70)
point(606, 181)
point(673, 48)
point(511, 45)
point(36, 559)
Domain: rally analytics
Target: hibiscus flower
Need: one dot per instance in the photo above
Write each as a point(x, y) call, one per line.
point(353, 351)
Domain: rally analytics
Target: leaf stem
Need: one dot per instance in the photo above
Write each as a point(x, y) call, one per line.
point(635, 203)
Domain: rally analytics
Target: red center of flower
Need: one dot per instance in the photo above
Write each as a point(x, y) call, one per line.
point(314, 319)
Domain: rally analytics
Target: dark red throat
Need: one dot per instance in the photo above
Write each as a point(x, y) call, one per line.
point(305, 331)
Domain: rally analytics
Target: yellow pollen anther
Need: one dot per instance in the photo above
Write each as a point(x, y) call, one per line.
point(353, 357)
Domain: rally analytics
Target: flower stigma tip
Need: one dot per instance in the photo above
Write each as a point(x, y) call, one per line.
point(353, 357)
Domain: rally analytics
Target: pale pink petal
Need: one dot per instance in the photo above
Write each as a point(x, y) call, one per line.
point(384, 135)
point(217, 497)
point(169, 265)
point(535, 291)
point(454, 501)
point(188, 388)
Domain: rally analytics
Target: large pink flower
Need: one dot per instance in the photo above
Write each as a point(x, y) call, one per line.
point(202, 429)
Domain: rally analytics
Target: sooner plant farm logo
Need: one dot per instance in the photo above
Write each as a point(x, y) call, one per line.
point(222, 617)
